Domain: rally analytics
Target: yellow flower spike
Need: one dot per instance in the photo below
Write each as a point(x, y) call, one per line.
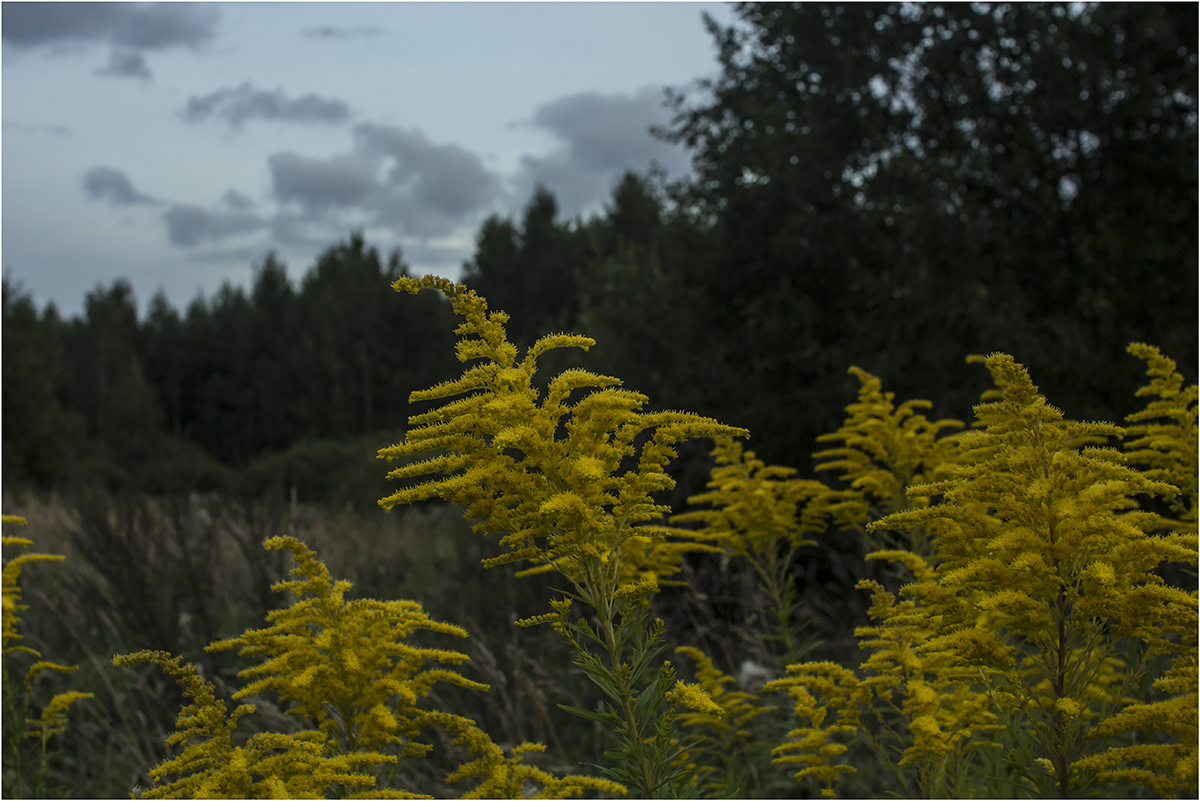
point(885, 450)
point(811, 744)
point(694, 697)
point(210, 766)
point(54, 715)
point(1039, 546)
point(739, 708)
point(381, 669)
point(1163, 436)
point(568, 477)
point(506, 775)
point(561, 502)
point(754, 509)
point(53, 718)
point(636, 591)
point(1069, 708)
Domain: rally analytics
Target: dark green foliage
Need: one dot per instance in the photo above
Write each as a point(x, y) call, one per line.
point(175, 403)
point(885, 185)
point(38, 430)
point(531, 272)
point(899, 186)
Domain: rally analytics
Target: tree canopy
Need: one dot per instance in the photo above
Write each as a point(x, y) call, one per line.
point(894, 186)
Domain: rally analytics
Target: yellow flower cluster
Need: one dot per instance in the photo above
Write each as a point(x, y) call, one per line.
point(507, 776)
point(53, 718)
point(269, 765)
point(548, 471)
point(1045, 562)
point(885, 450)
point(347, 668)
point(810, 744)
point(694, 697)
point(727, 743)
point(346, 665)
point(12, 606)
point(1165, 440)
point(729, 712)
point(753, 507)
point(1039, 563)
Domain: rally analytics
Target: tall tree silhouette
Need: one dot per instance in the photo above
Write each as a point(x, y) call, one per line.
point(900, 185)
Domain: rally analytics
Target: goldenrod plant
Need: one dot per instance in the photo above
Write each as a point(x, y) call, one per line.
point(1028, 641)
point(19, 693)
point(1164, 442)
point(755, 513)
point(567, 479)
point(347, 669)
point(346, 665)
point(729, 738)
point(1032, 617)
point(1163, 439)
point(267, 765)
point(763, 513)
point(885, 450)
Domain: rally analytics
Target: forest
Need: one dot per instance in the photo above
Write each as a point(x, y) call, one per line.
point(889, 187)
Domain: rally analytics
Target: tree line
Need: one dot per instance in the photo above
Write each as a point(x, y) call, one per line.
point(886, 185)
point(172, 400)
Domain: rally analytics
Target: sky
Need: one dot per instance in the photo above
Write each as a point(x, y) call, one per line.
point(176, 144)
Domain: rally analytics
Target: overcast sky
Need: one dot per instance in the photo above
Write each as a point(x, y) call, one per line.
point(176, 144)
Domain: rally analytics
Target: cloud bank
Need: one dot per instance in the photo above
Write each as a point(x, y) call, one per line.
point(188, 226)
point(130, 29)
point(236, 105)
point(334, 32)
point(106, 183)
point(392, 178)
point(603, 135)
point(428, 196)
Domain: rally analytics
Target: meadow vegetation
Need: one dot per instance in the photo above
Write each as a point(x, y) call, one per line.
point(713, 542)
point(1031, 629)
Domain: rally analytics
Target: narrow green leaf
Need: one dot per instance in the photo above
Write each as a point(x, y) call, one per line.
point(600, 717)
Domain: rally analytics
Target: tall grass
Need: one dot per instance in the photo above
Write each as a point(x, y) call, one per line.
point(178, 573)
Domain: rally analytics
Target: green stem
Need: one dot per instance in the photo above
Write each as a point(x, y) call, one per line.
point(632, 734)
point(1062, 761)
point(774, 577)
point(20, 715)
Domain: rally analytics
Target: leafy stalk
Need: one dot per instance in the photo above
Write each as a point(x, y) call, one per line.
point(553, 476)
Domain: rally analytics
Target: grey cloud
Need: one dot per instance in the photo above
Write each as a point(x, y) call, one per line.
point(141, 26)
point(606, 132)
point(333, 32)
point(126, 63)
point(236, 200)
point(603, 135)
point(105, 183)
point(23, 127)
point(430, 188)
point(130, 28)
point(188, 226)
point(318, 184)
point(398, 179)
point(236, 105)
